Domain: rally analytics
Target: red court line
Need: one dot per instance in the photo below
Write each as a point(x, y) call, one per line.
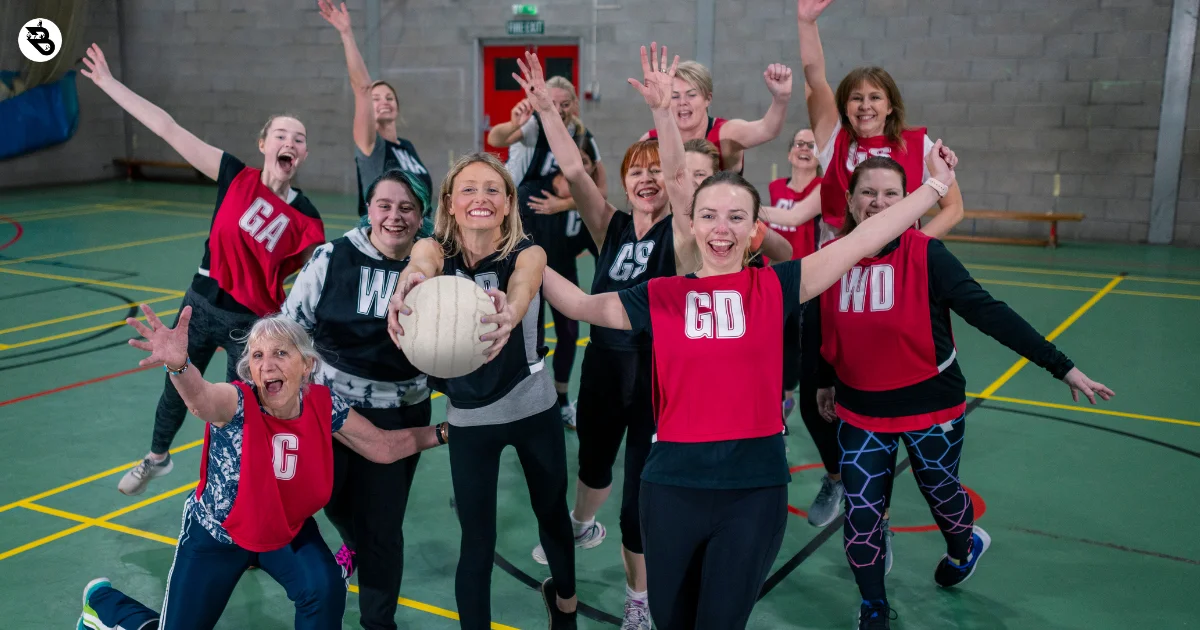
point(74, 385)
point(20, 231)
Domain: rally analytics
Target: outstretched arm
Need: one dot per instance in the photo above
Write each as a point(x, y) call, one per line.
point(201, 155)
point(821, 269)
point(822, 107)
point(424, 262)
point(360, 78)
point(508, 133)
point(655, 88)
point(214, 403)
point(602, 309)
point(744, 135)
point(593, 209)
point(949, 216)
point(774, 246)
point(802, 212)
point(385, 447)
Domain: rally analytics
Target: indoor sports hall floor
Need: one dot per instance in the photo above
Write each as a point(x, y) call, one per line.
point(1091, 510)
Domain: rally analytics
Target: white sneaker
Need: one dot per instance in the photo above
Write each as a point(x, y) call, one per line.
point(637, 615)
point(568, 416)
point(588, 538)
point(135, 481)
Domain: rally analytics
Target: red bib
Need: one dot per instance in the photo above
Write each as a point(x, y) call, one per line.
point(256, 241)
point(286, 473)
point(713, 136)
point(847, 155)
point(718, 356)
point(802, 237)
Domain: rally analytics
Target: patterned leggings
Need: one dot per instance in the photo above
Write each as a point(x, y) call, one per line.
point(868, 463)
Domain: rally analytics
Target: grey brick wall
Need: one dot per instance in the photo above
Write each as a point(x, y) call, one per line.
point(1023, 89)
point(100, 136)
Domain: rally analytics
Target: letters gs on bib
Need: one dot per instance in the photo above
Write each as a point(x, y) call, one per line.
point(877, 280)
point(631, 261)
point(39, 40)
point(255, 222)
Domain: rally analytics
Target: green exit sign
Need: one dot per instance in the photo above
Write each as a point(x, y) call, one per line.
point(524, 9)
point(526, 27)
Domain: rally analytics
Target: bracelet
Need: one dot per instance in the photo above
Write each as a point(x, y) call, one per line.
point(440, 431)
point(186, 363)
point(938, 187)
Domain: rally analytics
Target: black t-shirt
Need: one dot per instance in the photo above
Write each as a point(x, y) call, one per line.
point(729, 464)
point(626, 261)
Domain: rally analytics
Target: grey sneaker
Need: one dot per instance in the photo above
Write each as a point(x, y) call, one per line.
point(588, 538)
point(828, 504)
point(568, 416)
point(886, 526)
point(135, 481)
point(637, 615)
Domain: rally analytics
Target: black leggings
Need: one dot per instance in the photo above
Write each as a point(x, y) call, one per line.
point(868, 463)
point(614, 395)
point(708, 552)
point(566, 330)
point(367, 507)
point(210, 328)
point(474, 469)
point(824, 433)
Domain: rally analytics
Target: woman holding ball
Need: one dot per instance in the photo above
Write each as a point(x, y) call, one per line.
point(348, 318)
point(510, 400)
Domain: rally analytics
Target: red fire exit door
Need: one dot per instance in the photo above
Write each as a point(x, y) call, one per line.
point(501, 92)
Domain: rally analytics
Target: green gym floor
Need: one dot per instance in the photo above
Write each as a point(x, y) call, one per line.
point(1087, 506)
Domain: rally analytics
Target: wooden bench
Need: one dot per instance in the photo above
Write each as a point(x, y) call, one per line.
point(1004, 215)
point(133, 168)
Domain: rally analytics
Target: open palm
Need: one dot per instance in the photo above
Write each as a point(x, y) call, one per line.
point(337, 16)
point(810, 10)
point(534, 83)
point(167, 346)
point(97, 66)
point(658, 79)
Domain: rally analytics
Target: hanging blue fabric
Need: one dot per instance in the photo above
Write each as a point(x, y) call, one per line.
point(37, 118)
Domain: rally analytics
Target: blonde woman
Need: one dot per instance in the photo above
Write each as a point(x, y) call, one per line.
point(510, 400)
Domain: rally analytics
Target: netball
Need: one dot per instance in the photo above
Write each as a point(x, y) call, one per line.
point(441, 335)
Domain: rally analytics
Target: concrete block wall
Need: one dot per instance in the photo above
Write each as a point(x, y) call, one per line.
point(101, 133)
point(1022, 89)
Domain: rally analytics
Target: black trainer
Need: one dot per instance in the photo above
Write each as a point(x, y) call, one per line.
point(875, 615)
point(559, 620)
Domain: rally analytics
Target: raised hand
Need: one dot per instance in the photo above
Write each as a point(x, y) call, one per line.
point(534, 83)
point(521, 113)
point(1079, 382)
point(810, 10)
point(941, 162)
point(97, 67)
point(505, 318)
point(658, 79)
point(396, 305)
point(779, 81)
point(167, 346)
point(338, 17)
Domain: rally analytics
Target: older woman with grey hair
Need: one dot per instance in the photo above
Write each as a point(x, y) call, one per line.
point(267, 468)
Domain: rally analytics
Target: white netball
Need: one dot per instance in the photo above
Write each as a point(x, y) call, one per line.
point(441, 336)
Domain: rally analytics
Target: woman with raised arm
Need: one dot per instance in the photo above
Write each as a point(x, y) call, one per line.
point(510, 400)
point(888, 352)
point(267, 467)
point(341, 298)
point(714, 487)
point(795, 213)
point(263, 230)
point(692, 93)
point(614, 393)
point(551, 220)
point(377, 147)
point(865, 118)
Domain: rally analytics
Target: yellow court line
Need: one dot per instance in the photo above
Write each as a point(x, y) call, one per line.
point(1104, 412)
point(1036, 270)
point(79, 518)
point(81, 331)
point(106, 248)
point(101, 283)
point(86, 480)
point(1016, 367)
point(82, 526)
point(66, 215)
point(1195, 283)
point(21, 217)
point(1067, 287)
point(1177, 296)
point(99, 311)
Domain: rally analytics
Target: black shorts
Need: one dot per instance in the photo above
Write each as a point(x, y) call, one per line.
point(614, 396)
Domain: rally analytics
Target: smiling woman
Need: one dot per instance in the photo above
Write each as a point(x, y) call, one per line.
point(262, 231)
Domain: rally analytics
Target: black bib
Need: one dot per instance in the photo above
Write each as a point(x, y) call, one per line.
point(626, 261)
